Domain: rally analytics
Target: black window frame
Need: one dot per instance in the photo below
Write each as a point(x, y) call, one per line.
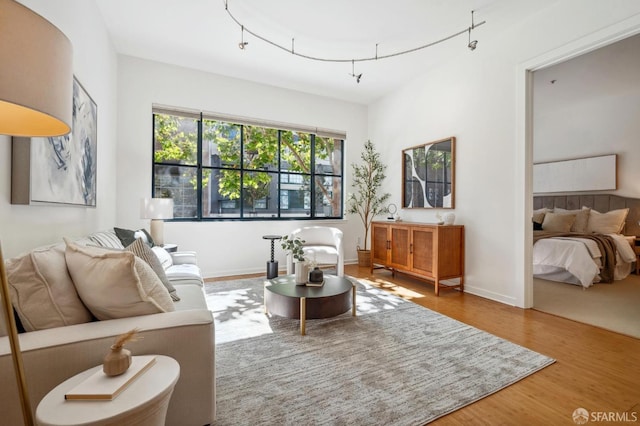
point(314, 172)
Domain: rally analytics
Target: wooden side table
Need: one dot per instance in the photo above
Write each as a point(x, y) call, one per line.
point(143, 402)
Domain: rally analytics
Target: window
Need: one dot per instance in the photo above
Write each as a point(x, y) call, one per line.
point(218, 168)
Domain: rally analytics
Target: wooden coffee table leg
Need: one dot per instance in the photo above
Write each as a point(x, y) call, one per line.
point(353, 300)
point(303, 315)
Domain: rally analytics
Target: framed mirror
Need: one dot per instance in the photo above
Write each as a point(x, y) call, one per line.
point(428, 175)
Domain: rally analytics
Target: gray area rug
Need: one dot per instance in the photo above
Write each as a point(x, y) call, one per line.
point(396, 363)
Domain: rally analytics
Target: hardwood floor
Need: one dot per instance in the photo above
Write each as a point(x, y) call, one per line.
point(595, 369)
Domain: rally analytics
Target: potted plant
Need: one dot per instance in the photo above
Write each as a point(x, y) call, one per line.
point(367, 201)
point(293, 246)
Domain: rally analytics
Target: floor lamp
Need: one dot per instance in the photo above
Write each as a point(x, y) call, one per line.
point(36, 89)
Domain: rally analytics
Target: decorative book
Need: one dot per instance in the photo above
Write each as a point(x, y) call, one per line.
point(314, 284)
point(99, 386)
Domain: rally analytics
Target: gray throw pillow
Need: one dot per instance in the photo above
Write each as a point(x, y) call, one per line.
point(144, 252)
point(127, 236)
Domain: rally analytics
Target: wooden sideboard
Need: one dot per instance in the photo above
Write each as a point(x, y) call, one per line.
point(429, 251)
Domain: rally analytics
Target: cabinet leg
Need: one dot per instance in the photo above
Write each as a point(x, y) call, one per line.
point(437, 287)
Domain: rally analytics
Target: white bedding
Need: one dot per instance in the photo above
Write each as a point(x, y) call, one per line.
point(578, 260)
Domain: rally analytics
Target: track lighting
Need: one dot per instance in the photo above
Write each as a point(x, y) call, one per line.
point(471, 45)
point(242, 43)
point(353, 73)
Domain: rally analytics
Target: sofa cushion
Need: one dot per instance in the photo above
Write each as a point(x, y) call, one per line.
point(191, 297)
point(144, 252)
point(184, 274)
point(128, 236)
point(42, 291)
point(116, 284)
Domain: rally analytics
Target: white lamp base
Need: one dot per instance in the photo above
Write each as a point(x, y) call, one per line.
point(157, 231)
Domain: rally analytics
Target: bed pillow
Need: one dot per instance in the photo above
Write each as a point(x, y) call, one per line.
point(611, 222)
point(582, 218)
point(557, 222)
point(42, 291)
point(144, 252)
point(116, 284)
point(538, 215)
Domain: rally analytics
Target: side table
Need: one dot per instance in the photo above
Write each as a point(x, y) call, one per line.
point(170, 248)
point(272, 265)
point(143, 402)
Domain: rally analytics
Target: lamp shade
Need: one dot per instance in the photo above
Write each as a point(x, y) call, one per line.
point(36, 76)
point(156, 208)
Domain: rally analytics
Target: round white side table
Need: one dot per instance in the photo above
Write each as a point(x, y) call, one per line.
point(143, 402)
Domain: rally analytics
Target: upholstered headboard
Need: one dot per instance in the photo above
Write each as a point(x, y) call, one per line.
point(600, 202)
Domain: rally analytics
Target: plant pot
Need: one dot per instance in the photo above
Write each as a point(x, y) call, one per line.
point(117, 361)
point(302, 272)
point(364, 258)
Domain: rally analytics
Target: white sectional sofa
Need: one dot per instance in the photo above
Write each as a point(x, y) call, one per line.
point(61, 343)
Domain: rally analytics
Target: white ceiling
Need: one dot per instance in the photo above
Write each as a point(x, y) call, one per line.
point(199, 34)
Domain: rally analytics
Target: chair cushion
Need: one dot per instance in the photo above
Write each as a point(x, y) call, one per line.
point(116, 284)
point(42, 292)
point(321, 254)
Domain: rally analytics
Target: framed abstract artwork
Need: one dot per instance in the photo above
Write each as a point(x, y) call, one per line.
point(59, 170)
point(428, 175)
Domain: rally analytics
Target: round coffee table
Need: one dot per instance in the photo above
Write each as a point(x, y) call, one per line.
point(284, 298)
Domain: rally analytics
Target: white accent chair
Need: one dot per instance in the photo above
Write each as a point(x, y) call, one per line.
point(322, 244)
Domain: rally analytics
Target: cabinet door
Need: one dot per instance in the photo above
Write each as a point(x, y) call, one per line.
point(422, 248)
point(379, 244)
point(400, 253)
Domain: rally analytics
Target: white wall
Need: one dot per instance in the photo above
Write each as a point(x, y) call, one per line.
point(476, 98)
point(25, 227)
point(224, 248)
point(591, 109)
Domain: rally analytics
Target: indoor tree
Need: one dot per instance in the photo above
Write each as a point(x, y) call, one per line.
point(367, 201)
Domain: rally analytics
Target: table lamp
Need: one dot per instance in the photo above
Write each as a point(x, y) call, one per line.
point(36, 89)
point(157, 209)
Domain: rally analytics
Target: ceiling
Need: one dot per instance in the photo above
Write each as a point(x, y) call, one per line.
point(200, 34)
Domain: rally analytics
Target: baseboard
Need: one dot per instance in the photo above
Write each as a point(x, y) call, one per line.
point(502, 298)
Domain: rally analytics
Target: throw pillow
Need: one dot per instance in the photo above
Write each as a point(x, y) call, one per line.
point(115, 284)
point(42, 291)
point(537, 226)
point(163, 256)
point(127, 236)
point(611, 222)
point(144, 252)
point(106, 239)
point(582, 218)
point(556, 222)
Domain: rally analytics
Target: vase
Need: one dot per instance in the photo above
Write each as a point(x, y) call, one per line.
point(316, 275)
point(302, 272)
point(117, 361)
point(449, 218)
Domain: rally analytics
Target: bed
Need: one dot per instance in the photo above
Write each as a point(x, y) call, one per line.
point(584, 239)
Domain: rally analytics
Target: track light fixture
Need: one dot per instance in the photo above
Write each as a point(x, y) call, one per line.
point(471, 45)
point(353, 73)
point(242, 43)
